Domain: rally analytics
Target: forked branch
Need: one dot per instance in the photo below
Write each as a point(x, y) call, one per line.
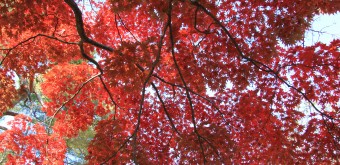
point(165, 109)
point(141, 104)
point(80, 26)
point(84, 38)
point(172, 43)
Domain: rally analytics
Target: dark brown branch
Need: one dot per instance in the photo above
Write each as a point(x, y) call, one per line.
point(3, 128)
point(108, 91)
point(147, 79)
point(10, 113)
point(190, 90)
point(165, 110)
point(120, 148)
point(80, 26)
point(195, 24)
point(172, 43)
point(84, 38)
point(55, 26)
point(81, 47)
point(161, 100)
point(134, 134)
point(311, 66)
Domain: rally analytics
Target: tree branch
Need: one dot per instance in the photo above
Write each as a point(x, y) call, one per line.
point(10, 113)
point(72, 97)
point(80, 26)
point(134, 134)
point(256, 63)
point(3, 128)
point(172, 43)
point(84, 38)
point(32, 38)
point(165, 110)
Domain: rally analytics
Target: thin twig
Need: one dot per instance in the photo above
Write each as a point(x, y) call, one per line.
point(134, 134)
point(3, 128)
point(10, 113)
point(116, 22)
point(172, 42)
point(165, 110)
point(121, 20)
point(32, 38)
point(71, 98)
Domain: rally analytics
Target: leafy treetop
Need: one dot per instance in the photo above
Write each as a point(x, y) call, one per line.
point(169, 82)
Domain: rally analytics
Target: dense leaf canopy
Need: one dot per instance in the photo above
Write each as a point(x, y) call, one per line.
point(168, 82)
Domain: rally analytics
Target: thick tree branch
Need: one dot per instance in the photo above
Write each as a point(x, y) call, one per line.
point(80, 26)
point(81, 47)
point(84, 38)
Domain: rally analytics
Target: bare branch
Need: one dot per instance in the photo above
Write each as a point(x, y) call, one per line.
point(120, 36)
point(121, 20)
point(108, 91)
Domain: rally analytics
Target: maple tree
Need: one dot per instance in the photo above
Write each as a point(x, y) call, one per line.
point(170, 82)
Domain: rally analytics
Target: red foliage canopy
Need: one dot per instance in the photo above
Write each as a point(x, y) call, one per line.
point(172, 82)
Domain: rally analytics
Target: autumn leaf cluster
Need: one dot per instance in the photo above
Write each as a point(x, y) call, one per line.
point(168, 82)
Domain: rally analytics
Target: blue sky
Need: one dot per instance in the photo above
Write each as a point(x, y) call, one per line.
point(328, 24)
